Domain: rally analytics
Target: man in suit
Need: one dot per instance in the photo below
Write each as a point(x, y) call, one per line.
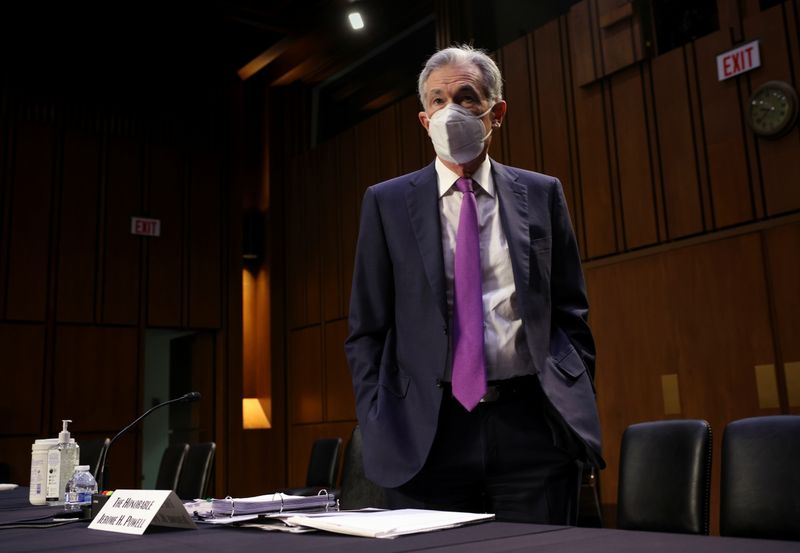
point(471, 356)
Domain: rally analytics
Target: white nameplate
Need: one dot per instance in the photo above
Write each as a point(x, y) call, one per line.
point(133, 511)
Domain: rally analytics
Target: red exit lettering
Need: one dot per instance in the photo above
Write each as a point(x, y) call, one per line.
point(145, 227)
point(739, 60)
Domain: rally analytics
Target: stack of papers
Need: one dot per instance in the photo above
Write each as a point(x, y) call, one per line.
point(386, 524)
point(297, 513)
point(270, 503)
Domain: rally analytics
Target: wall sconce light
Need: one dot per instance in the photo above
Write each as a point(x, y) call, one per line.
point(254, 413)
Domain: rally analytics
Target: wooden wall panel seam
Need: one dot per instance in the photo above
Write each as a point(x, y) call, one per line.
point(656, 174)
point(750, 151)
point(792, 26)
point(612, 151)
point(569, 104)
point(659, 174)
point(774, 326)
point(693, 102)
point(572, 121)
point(703, 144)
point(533, 86)
point(596, 41)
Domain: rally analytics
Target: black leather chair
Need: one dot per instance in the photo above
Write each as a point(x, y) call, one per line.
point(665, 476)
point(196, 471)
point(357, 491)
point(323, 468)
point(760, 483)
point(169, 471)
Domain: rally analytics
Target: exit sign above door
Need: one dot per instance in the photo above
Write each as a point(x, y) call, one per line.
point(739, 60)
point(145, 227)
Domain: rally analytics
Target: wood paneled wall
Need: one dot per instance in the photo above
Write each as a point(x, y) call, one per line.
point(710, 314)
point(77, 289)
point(687, 222)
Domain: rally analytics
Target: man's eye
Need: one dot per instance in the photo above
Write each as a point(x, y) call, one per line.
point(437, 101)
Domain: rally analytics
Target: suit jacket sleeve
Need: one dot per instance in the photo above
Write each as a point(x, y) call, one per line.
point(371, 306)
point(568, 290)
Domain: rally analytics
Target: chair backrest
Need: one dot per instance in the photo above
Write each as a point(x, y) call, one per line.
point(196, 471)
point(665, 477)
point(323, 466)
point(357, 491)
point(169, 471)
point(91, 453)
point(760, 483)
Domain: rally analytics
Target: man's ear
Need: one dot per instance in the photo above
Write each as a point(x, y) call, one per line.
point(499, 113)
point(424, 120)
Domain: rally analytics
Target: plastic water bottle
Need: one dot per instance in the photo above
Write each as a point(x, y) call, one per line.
point(79, 489)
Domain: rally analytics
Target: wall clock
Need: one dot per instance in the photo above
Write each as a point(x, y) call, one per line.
point(773, 109)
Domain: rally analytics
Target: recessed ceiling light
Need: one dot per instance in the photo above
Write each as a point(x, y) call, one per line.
point(355, 21)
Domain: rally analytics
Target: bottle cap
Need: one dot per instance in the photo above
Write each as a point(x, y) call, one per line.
point(63, 436)
point(81, 467)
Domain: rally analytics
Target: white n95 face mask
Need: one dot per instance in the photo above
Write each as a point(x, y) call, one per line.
point(457, 134)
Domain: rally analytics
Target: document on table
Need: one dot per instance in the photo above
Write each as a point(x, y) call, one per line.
point(387, 524)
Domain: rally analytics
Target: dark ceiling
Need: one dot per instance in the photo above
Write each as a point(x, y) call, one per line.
point(153, 51)
point(166, 54)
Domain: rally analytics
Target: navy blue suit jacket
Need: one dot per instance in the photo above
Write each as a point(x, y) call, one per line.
point(398, 341)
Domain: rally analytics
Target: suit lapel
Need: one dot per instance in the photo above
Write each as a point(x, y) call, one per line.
point(423, 210)
point(513, 199)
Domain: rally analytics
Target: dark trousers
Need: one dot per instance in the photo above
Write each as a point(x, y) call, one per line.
point(500, 458)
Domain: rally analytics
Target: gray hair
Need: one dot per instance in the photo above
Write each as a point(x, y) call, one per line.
point(464, 53)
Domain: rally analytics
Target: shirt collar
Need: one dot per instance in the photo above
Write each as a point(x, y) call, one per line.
point(482, 177)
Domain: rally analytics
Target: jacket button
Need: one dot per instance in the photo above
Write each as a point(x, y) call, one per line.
point(444, 329)
point(438, 383)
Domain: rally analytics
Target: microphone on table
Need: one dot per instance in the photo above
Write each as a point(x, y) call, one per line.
point(185, 398)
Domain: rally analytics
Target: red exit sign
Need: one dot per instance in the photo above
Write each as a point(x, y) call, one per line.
point(739, 60)
point(145, 227)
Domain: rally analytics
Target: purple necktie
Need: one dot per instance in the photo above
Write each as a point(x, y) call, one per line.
point(469, 368)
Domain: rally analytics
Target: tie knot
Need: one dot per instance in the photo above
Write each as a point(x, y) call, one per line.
point(464, 184)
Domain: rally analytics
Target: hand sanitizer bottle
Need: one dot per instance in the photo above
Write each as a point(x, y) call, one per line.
point(69, 453)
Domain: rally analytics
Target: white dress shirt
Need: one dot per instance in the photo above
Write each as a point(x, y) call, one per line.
point(504, 339)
